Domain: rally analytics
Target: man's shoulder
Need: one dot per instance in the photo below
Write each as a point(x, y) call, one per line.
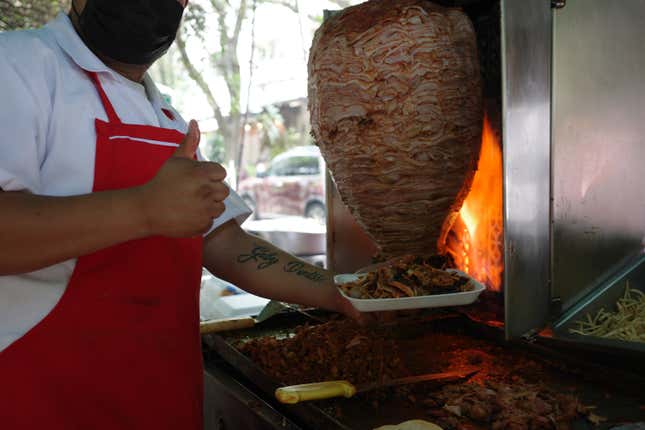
point(29, 51)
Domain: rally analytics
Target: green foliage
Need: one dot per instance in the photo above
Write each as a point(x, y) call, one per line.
point(215, 148)
point(275, 137)
point(251, 170)
point(19, 14)
point(194, 21)
point(287, 140)
point(270, 118)
point(235, 85)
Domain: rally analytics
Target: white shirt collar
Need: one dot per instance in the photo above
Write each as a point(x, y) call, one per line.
point(152, 92)
point(74, 46)
point(69, 40)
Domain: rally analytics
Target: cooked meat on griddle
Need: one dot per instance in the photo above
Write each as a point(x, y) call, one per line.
point(396, 108)
point(511, 391)
point(334, 350)
point(501, 406)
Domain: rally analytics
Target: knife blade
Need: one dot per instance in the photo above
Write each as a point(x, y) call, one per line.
point(324, 390)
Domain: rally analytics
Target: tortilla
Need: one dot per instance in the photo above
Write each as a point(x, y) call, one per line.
point(411, 425)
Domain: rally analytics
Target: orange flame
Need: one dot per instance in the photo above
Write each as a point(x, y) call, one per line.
point(476, 239)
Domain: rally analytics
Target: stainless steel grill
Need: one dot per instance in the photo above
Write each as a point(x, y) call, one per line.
point(567, 95)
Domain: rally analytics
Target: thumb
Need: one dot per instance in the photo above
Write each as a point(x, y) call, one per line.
point(188, 146)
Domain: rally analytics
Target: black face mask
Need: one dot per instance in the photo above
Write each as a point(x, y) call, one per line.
point(130, 31)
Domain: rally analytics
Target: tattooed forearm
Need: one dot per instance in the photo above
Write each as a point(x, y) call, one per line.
point(263, 256)
point(299, 269)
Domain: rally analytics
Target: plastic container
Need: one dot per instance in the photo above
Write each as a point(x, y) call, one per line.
point(431, 301)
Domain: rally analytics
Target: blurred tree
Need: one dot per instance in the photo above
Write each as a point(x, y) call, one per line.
point(223, 58)
point(227, 17)
point(18, 14)
point(215, 143)
point(273, 130)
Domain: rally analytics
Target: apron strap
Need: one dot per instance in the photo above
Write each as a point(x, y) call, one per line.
point(109, 110)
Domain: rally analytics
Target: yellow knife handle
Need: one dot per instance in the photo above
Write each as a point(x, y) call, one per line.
point(225, 324)
point(314, 391)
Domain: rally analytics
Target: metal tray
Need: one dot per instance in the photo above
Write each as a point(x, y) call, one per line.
point(605, 295)
point(431, 301)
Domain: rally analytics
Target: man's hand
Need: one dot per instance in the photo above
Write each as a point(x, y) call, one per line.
point(185, 195)
point(344, 307)
point(180, 201)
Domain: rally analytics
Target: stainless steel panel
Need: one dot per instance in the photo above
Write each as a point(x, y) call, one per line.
point(598, 140)
point(526, 92)
point(230, 405)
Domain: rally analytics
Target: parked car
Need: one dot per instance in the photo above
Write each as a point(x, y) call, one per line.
point(293, 184)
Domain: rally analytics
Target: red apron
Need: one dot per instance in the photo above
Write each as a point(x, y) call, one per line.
point(121, 349)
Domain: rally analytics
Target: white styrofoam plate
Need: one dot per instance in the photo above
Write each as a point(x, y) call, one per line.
point(433, 301)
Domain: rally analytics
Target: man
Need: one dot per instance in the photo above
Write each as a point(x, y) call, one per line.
point(106, 218)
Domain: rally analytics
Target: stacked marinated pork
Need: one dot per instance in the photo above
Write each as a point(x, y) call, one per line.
point(395, 102)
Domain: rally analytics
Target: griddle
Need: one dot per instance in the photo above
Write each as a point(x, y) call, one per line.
point(618, 395)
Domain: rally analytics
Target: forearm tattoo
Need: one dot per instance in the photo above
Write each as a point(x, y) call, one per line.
point(299, 269)
point(263, 256)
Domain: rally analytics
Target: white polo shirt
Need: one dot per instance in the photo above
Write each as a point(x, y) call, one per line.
point(47, 143)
